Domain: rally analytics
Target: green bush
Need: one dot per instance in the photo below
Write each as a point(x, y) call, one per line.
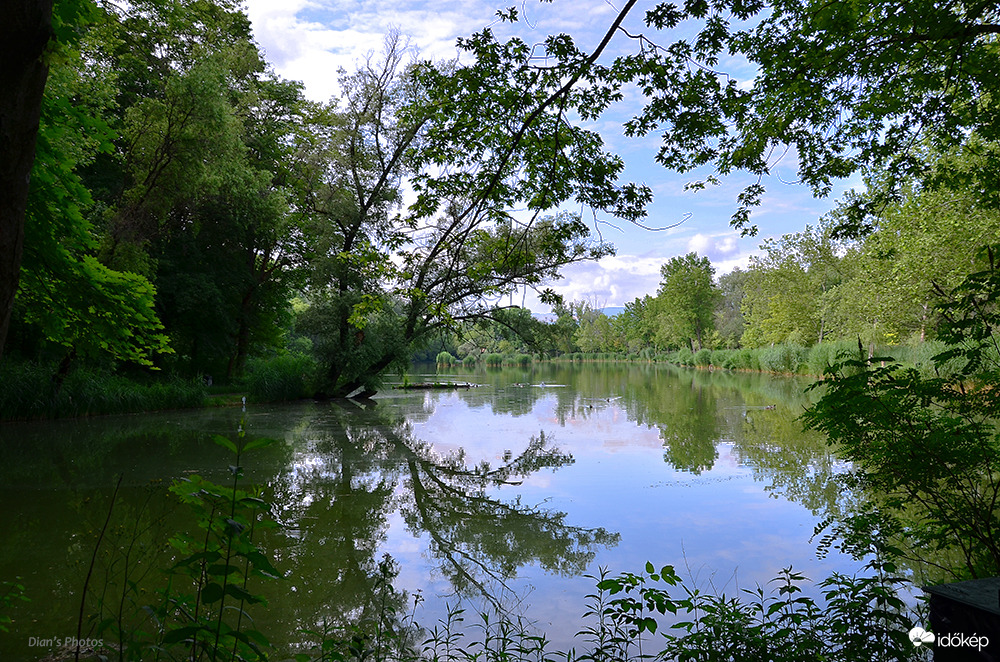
point(719, 356)
point(469, 361)
point(493, 359)
point(445, 358)
point(703, 357)
point(685, 356)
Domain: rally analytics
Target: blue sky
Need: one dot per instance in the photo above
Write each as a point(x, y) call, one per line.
point(309, 40)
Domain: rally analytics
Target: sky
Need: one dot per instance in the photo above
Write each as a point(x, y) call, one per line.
point(310, 40)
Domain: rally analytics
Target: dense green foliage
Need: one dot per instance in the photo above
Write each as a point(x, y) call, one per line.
point(927, 445)
point(198, 192)
point(183, 193)
point(920, 78)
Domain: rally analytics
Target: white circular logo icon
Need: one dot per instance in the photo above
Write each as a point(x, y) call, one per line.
point(920, 636)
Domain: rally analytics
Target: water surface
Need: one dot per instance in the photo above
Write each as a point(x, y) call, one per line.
point(519, 487)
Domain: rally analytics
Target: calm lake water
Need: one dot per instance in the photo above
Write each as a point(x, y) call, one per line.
point(520, 486)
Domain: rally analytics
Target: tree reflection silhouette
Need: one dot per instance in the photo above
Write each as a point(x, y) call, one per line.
point(475, 535)
point(352, 469)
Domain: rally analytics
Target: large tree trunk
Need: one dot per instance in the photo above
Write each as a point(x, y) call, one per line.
point(25, 31)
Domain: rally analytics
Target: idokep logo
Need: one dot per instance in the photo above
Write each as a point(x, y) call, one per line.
point(921, 637)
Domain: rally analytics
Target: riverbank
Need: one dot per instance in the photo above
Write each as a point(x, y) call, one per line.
point(777, 359)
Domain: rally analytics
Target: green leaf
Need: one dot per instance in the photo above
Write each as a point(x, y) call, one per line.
point(222, 570)
point(258, 443)
point(225, 443)
point(208, 556)
point(613, 586)
point(181, 634)
point(241, 594)
point(212, 592)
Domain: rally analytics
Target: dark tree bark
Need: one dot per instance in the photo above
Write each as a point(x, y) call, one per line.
point(25, 31)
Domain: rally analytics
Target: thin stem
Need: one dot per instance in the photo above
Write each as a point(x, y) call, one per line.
point(90, 570)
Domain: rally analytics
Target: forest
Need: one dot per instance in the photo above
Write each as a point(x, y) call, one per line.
point(193, 218)
point(190, 211)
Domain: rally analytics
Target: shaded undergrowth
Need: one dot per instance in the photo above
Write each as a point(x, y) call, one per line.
point(28, 392)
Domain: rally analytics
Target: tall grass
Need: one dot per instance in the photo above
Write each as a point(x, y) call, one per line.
point(27, 391)
point(811, 361)
point(281, 377)
point(783, 358)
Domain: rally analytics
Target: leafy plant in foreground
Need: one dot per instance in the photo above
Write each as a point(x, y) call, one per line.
point(380, 632)
point(205, 606)
point(10, 592)
point(863, 618)
point(928, 446)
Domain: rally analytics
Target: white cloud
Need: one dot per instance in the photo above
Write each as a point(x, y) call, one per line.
point(310, 40)
point(715, 247)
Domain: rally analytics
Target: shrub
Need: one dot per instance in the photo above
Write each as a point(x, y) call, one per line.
point(445, 358)
point(685, 357)
point(731, 361)
point(469, 361)
point(720, 357)
point(493, 359)
point(703, 357)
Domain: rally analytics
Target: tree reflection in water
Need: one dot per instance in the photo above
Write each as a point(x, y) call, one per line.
point(353, 468)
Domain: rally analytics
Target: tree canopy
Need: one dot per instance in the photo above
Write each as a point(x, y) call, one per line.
point(203, 192)
point(684, 307)
point(840, 88)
